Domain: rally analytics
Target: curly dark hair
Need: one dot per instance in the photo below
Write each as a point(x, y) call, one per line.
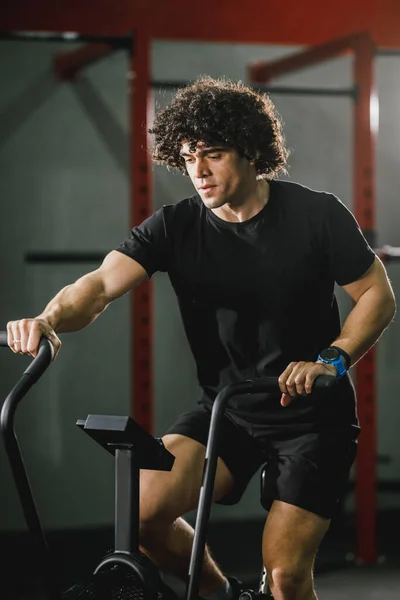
point(218, 112)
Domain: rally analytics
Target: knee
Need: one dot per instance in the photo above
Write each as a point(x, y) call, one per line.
point(149, 522)
point(151, 519)
point(289, 581)
point(154, 513)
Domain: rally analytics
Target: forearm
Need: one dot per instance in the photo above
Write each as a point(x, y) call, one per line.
point(365, 323)
point(76, 305)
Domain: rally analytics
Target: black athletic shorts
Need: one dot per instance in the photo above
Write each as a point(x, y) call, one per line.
point(308, 468)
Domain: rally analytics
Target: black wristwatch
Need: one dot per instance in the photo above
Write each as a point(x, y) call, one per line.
point(337, 357)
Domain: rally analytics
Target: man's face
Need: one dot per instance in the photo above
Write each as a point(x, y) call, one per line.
point(219, 174)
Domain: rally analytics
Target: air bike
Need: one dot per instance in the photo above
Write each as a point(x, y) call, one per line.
point(124, 573)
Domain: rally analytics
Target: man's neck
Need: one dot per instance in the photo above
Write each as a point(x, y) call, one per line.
point(249, 208)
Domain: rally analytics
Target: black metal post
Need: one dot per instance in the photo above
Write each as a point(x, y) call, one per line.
point(66, 36)
point(31, 375)
point(206, 490)
point(388, 52)
point(127, 499)
point(267, 384)
point(273, 89)
point(64, 257)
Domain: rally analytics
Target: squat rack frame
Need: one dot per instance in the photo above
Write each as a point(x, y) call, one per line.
point(67, 66)
point(364, 208)
point(138, 44)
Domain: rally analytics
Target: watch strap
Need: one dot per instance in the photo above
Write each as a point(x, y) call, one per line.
point(339, 363)
point(345, 356)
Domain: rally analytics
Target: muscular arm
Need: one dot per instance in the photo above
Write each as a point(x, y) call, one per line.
point(77, 305)
point(374, 309)
point(80, 303)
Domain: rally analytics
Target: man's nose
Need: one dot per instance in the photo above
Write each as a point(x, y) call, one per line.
point(201, 169)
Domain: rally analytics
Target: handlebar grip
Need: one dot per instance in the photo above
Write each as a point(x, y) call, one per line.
point(271, 384)
point(325, 382)
point(35, 369)
point(43, 359)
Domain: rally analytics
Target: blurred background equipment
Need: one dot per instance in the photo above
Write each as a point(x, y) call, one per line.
point(75, 176)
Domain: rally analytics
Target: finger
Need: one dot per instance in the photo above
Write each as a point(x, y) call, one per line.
point(315, 372)
point(310, 378)
point(56, 344)
point(294, 382)
point(54, 340)
point(286, 400)
point(10, 335)
point(23, 335)
point(300, 378)
point(34, 338)
point(16, 338)
point(284, 377)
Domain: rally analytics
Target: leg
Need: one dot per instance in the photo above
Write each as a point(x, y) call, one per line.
point(291, 539)
point(165, 537)
point(305, 478)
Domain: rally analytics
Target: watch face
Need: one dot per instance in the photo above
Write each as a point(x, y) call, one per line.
point(330, 354)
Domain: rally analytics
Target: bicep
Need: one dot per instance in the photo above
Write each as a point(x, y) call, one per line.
point(375, 277)
point(119, 274)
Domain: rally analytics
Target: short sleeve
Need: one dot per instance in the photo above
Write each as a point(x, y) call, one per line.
point(147, 244)
point(349, 252)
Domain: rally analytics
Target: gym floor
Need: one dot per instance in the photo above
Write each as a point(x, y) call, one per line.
point(381, 583)
point(377, 583)
point(336, 575)
point(362, 583)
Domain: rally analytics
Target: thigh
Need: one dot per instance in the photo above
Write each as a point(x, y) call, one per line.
point(291, 537)
point(166, 495)
point(236, 449)
point(310, 471)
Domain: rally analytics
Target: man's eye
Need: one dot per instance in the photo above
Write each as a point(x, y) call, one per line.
point(214, 156)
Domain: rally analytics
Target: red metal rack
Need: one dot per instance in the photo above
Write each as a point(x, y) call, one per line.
point(362, 47)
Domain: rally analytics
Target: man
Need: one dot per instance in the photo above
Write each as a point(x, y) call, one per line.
point(253, 262)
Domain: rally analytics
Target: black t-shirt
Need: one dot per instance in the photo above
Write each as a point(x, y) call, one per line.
point(257, 295)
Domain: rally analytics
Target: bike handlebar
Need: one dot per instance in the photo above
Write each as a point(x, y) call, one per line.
point(36, 369)
point(270, 384)
point(30, 376)
point(267, 384)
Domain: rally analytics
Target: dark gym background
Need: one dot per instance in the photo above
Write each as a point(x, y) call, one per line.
point(64, 186)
